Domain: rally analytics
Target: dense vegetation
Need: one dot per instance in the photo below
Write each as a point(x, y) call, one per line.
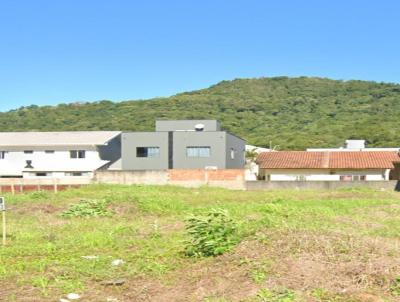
point(273, 246)
point(293, 113)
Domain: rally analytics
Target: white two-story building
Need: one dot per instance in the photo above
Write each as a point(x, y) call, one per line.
point(57, 154)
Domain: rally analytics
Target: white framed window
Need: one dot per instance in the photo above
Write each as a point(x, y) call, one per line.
point(49, 151)
point(193, 151)
point(77, 153)
point(147, 151)
point(28, 151)
point(233, 153)
point(353, 177)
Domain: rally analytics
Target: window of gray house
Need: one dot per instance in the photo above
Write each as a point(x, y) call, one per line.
point(2, 154)
point(198, 151)
point(233, 152)
point(77, 153)
point(147, 151)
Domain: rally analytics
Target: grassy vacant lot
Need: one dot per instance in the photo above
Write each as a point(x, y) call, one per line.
point(294, 246)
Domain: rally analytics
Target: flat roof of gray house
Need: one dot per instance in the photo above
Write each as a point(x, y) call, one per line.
point(65, 138)
point(187, 125)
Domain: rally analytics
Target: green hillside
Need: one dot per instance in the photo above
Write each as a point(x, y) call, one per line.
point(293, 113)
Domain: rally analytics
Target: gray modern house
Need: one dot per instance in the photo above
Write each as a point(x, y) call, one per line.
point(181, 144)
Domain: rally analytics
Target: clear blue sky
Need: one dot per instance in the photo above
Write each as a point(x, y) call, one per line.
point(84, 50)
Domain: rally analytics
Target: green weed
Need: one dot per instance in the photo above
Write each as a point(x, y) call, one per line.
point(266, 295)
point(87, 208)
point(42, 283)
point(211, 234)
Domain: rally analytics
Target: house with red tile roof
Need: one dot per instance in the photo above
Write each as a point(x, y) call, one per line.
point(329, 165)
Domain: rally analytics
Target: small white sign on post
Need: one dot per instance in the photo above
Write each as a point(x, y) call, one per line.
point(2, 204)
point(3, 212)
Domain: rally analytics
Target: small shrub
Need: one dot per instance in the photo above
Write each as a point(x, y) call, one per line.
point(42, 283)
point(87, 208)
point(211, 234)
point(39, 195)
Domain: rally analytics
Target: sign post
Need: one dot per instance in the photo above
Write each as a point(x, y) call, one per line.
point(3, 213)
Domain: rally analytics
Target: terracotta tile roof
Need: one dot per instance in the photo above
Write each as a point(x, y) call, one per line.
point(363, 160)
point(327, 160)
point(290, 160)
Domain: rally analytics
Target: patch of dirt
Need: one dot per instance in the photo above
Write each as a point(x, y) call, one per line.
point(226, 276)
point(124, 209)
point(340, 264)
point(10, 290)
point(37, 208)
point(369, 298)
point(357, 224)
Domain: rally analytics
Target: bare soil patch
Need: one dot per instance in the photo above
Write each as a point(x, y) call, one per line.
point(340, 264)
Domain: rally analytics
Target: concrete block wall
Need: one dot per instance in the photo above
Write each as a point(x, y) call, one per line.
point(225, 178)
point(187, 175)
point(145, 177)
point(229, 178)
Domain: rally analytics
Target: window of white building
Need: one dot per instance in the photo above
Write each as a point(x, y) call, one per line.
point(2, 154)
point(42, 174)
point(77, 154)
point(301, 178)
point(76, 174)
point(353, 177)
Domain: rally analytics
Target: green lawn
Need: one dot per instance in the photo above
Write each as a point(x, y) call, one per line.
point(294, 246)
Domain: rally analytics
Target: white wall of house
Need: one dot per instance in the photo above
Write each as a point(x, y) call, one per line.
point(57, 163)
point(58, 175)
point(251, 171)
point(323, 174)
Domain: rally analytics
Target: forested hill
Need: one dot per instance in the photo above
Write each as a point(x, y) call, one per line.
point(293, 113)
